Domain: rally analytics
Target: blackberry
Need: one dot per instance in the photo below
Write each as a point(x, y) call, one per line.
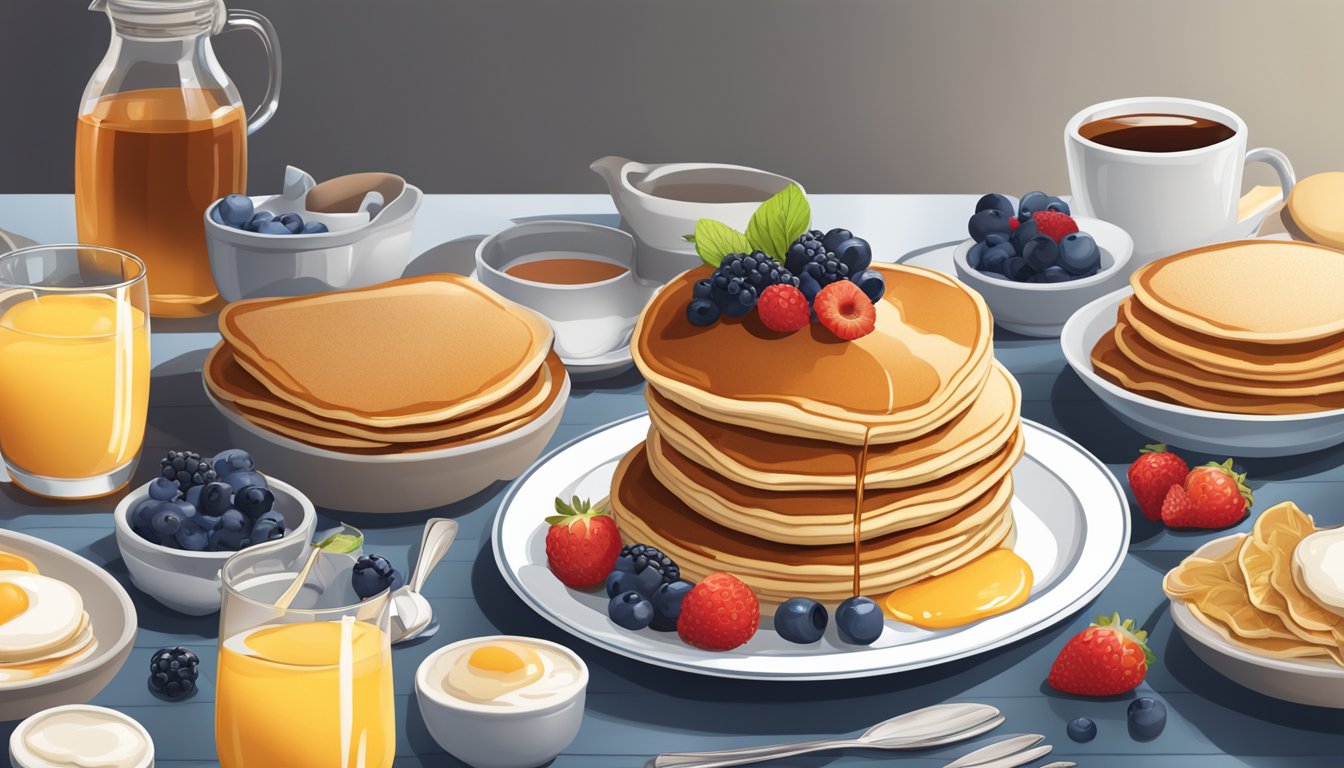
point(172, 672)
point(741, 278)
point(637, 558)
point(372, 574)
point(187, 469)
point(808, 255)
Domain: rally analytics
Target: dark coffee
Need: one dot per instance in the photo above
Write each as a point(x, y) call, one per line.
point(1154, 132)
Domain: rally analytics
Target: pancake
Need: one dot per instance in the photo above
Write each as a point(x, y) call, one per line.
point(1260, 291)
point(413, 351)
point(1254, 362)
point(230, 383)
point(1154, 360)
point(1316, 206)
point(647, 512)
point(786, 463)
point(927, 360)
point(810, 518)
point(1111, 364)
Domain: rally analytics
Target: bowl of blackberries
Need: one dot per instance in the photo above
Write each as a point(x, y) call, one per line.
point(176, 531)
point(1036, 264)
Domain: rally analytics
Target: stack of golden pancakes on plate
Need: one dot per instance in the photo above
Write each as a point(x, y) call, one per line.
point(807, 465)
point(1248, 327)
point(420, 364)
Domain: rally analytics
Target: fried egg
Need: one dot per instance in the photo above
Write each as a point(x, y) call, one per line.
point(490, 672)
point(38, 614)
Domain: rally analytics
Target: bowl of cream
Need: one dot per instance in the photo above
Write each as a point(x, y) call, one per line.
point(502, 701)
point(80, 735)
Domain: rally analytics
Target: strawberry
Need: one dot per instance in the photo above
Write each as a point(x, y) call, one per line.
point(784, 308)
point(1055, 224)
point(1152, 474)
point(719, 614)
point(1105, 659)
point(1218, 498)
point(1012, 223)
point(845, 310)
point(582, 544)
point(1176, 506)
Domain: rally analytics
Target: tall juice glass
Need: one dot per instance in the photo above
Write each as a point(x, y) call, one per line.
point(308, 686)
point(74, 368)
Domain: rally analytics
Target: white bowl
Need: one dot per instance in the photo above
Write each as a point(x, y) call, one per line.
point(188, 582)
point(1319, 683)
point(1235, 434)
point(23, 757)
point(111, 614)
point(248, 265)
point(396, 482)
point(517, 737)
point(1041, 309)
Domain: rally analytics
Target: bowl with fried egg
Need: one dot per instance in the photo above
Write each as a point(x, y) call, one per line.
point(478, 695)
point(66, 626)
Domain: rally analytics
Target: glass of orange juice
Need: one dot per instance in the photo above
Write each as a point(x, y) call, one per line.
point(74, 368)
point(309, 685)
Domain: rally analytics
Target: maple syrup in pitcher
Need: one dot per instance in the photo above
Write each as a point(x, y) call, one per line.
point(162, 135)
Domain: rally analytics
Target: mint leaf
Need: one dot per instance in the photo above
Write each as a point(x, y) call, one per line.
point(714, 240)
point(779, 221)
point(345, 541)
point(688, 238)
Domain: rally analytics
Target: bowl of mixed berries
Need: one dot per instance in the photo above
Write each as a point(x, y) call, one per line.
point(1036, 264)
point(176, 531)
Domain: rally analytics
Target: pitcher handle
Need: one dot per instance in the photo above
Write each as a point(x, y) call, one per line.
point(260, 26)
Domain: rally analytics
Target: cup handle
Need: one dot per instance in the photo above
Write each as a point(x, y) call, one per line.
point(261, 27)
point(1260, 200)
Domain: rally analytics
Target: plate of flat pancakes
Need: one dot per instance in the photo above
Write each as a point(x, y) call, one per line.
point(1233, 348)
point(810, 467)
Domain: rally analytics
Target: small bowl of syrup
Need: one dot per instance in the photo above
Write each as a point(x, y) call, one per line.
point(578, 275)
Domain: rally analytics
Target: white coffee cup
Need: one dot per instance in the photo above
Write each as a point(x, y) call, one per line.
point(1168, 201)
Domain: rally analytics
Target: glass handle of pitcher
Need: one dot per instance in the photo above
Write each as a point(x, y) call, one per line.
point(261, 27)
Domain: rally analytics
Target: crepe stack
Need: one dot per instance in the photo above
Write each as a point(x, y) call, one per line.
point(810, 466)
point(1249, 593)
point(420, 364)
point(1250, 327)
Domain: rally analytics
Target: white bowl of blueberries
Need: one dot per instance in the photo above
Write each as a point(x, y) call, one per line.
point(1036, 264)
point(176, 531)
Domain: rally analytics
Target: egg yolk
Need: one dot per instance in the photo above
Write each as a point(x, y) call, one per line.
point(10, 562)
point(493, 658)
point(990, 584)
point(13, 601)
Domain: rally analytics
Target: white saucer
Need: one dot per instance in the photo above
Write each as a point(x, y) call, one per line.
point(598, 367)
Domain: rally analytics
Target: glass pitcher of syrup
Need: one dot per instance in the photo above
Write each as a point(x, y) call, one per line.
point(161, 135)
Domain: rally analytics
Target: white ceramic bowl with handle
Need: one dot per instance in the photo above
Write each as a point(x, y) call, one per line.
point(1041, 309)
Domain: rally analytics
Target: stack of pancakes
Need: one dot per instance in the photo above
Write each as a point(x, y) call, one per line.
point(1251, 327)
point(420, 364)
point(813, 467)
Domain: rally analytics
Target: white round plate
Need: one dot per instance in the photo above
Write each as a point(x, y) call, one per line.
point(1317, 682)
point(599, 367)
point(1237, 434)
point(1072, 527)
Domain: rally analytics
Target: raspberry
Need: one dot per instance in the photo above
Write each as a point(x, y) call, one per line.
point(1054, 224)
point(719, 614)
point(845, 310)
point(784, 308)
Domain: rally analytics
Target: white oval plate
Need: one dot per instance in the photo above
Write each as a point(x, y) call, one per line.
point(1072, 527)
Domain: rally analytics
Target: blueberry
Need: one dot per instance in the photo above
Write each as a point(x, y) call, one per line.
point(236, 210)
point(372, 574)
point(1055, 204)
point(254, 501)
point(259, 218)
point(996, 202)
point(801, 621)
point(1024, 232)
point(1041, 252)
point(272, 227)
point(619, 581)
point(996, 257)
point(1031, 203)
point(215, 217)
point(185, 509)
point(809, 286)
point(1082, 729)
point(192, 537)
point(313, 228)
point(1078, 253)
point(630, 610)
point(292, 221)
point(871, 282)
point(193, 495)
point(702, 312)
point(976, 255)
point(240, 480)
point(225, 540)
point(215, 498)
point(646, 581)
point(988, 222)
point(265, 531)
point(831, 240)
point(141, 512)
point(273, 517)
point(234, 459)
point(209, 523)
point(854, 253)
point(234, 520)
point(147, 533)
point(1147, 718)
point(166, 522)
point(1050, 275)
point(995, 238)
point(667, 604)
point(859, 621)
point(700, 290)
point(1016, 268)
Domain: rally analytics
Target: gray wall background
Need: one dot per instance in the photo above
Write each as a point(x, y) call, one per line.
point(845, 95)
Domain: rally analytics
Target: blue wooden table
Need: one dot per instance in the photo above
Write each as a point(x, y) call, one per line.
point(634, 710)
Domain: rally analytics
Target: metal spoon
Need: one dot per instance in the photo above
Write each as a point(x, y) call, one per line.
point(997, 751)
point(931, 726)
point(411, 612)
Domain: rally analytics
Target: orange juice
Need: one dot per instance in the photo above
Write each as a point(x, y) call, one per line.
point(74, 384)
point(147, 164)
point(312, 695)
